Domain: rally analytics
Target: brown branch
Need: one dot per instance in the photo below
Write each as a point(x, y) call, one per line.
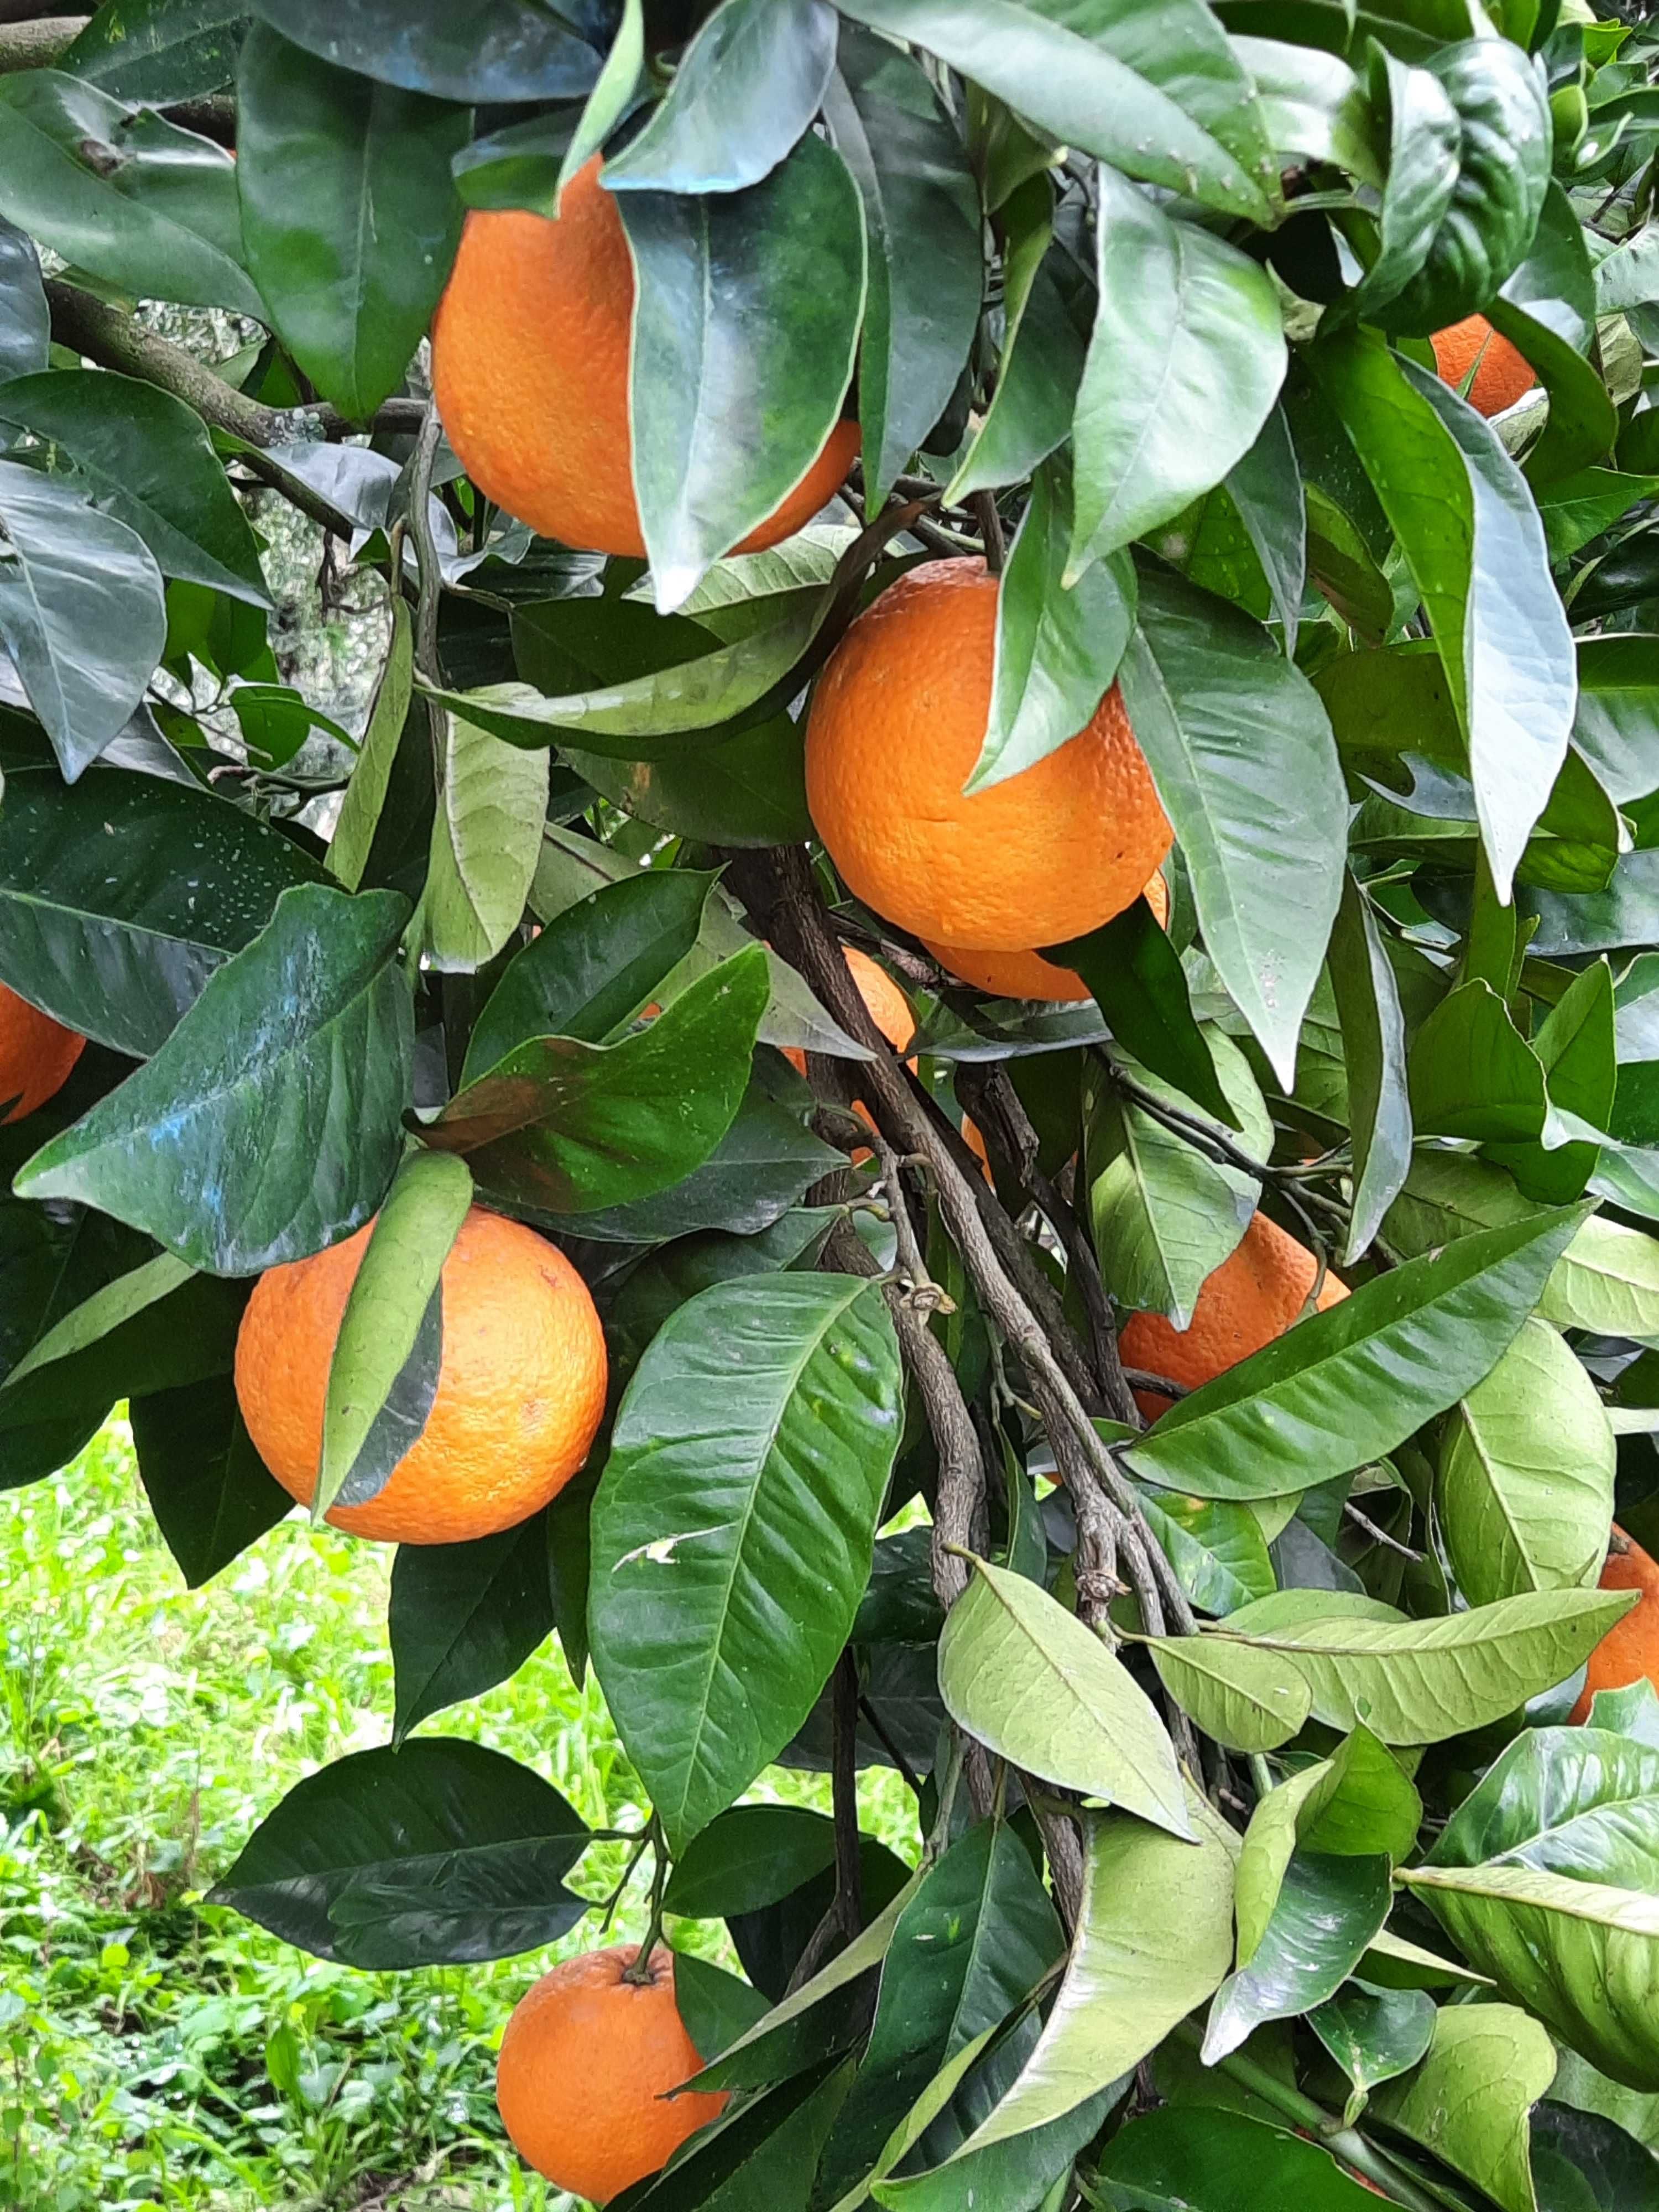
point(40, 44)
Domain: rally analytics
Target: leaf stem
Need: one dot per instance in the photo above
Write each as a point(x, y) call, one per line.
point(639, 1971)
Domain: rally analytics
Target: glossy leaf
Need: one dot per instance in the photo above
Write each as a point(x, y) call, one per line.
point(1374, 1059)
point(1266, 488)
point(1185, 362)
point(1249, 1697)
point(464, 1617)
point(1036, 1686)
point(1473, 1073)
point(1375, 2035)
point(228, 1147)
point(1424, 145)
point(746, 87)
point(750, 790)
point(1241, 753)
point(500, 50)
point(349, 213)
point(144, 459)
point(1042, 355)
point(748, 1858)
point(1218, 1551)
point(1327, 1912)
point(115, 934)
point(441, 1853)
point(80, 610)
point(353, 841)
point(733, 1527)
point(662, 1284)
point(922, 219)
point(1470, 2099)
point(1137, 982)
point(1583, 2162)
point(1179, 2159)
point(770, 281)
point(486, 837)
point(160, 50)
point(1347, 1385)
point(207, 1485)
point(25, 317)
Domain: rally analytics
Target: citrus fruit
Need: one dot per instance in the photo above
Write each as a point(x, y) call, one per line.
point(888, 1007)
point(1503, 375)
point(520, 1394)
point(36, 1056)
point(1028, 974)
point(1255, 1294)
point(585, 2067)
point(1629, 1652)
point(530, 370)
point(898, 719)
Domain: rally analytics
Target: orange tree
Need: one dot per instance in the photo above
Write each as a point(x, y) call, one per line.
point(1016, 697)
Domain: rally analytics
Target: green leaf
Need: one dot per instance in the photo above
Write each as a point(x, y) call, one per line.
point(1162, 96)
point(1375, 2035)
point(228, 1146)
point(613, 93)
point(119, 895)
point(486, 838)
point(1057, 647)
point(765, 285)
point(1187, 2159)
point(1043, 354)
point(25, 317)
point(922, 222)
point(746, 87)
point(1473, 1073)
point(1218, 1551)
point(81, 611)
point(207, 1485)
point(1242, 757)
point(380, 1350)
point(1346, 1386)
point(464, 1617)
point(159, 51)
point(716, 2007)
point(1605, 1281)
point(1421, 1681)
point(1266, 488)
point(750, 790)
point(568, 1127)
point(1245, 1696)
point(1526, 1464)
point(1468, 2102)
point(442, 1853)
point(1471, 537)
point(1425, 144)
point(128, 198)
point(1164, 1214)
point(144, 458)
point(499, 50)
point(748, 1858)
point(1152, 1941)
point(733, 1527)
point(1583, 2162)
point(1037, 1687)
point(764, 2153)
point(1184, 365)
point(1374, 1058)
point(1138, 981)
point(592, 967)
point(1617, 686)
point(1327, 1912)
point(349, 213)
point(662, 1283)
point(353, 840)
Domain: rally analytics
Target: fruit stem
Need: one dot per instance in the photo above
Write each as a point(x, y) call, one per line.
point(984, 504)
point(639, 1972)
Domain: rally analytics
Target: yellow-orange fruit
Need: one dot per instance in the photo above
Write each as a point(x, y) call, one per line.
point(1502, 376)
point(889, 1008)
point(521, 1392)
point(1028, 974)
point(585, 2067)
point(36, 1056)
point(1255, 1294)
point(530, 370)
point(1629, 1652)
point(897, 720)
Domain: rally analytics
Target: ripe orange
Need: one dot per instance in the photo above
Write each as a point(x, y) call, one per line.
point(1028, 974)
point(36, 1056)
point(585, 2066)
point(889, 1008)
point(898, 719)
point(1503, 376)
point(1255, 1294)
point(520, 1391)
point(530, 370)
point(1630, 1650)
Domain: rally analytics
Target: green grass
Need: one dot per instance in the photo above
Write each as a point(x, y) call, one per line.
point(157, 2051)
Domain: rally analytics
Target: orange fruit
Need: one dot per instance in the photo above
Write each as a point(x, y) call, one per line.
point(1503, 374)
point(898, 719)
point(889, 1008)
point(36, 1056)
point(1028, 974)
point(530, 370)
point(1255, 1294)
point(1629, 1650)
point(520, 1394)
point(585, 2067)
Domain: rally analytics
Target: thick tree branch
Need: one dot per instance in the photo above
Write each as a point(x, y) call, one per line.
point(40, 43)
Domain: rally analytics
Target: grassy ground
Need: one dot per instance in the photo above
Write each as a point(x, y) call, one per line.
point(154, 2050)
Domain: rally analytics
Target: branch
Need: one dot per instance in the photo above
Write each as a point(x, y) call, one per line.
point(40, 44)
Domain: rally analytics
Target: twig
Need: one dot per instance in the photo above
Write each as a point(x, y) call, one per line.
point(844, 1791)
point(1142, 1378)
point(1378, 1535)
point(984, 504)
point(639, 1971)
point(879, 1729)
point(40, 44)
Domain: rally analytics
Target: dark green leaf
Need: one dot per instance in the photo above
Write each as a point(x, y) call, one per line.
point(82, 612)
point(464, 1617)
point(1140, 985)
point(1328, 1911)
point(1425, 142)
point(662, 1284)
point(206, 1484)
point(1374, 2034)
point(441, 1853)
point(349, 213)
point(1217, 1550)
point(115, 934)
point(1042, 355)
point(716, 2007)
point(228, 1147)
point(733, 1527)
point(1473, 1073)
point(1617, 2173)
point(763, 2153)
point(160, 50)
point(25, 317)
point(1201, 2158)
point(1266, 488)
point(353, 842)
point(746, 87)
point(750, 790)
point(498, 49)
point(748, 1858)
point(922, 219)
point(1374, 1057)
point(1615, 725)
